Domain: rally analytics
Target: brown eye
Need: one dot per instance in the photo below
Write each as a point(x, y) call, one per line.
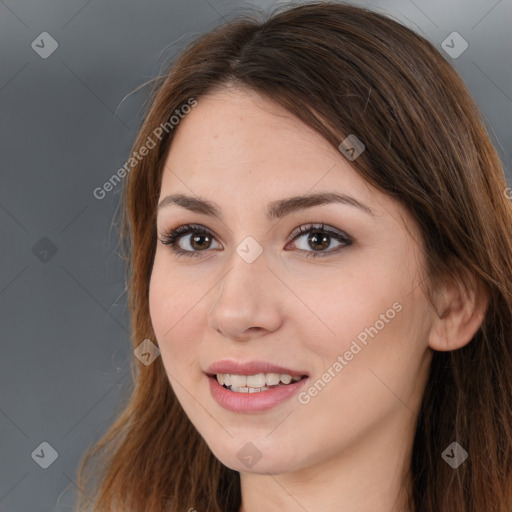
point(197, 237)
point(319, 239)
point(200, 241)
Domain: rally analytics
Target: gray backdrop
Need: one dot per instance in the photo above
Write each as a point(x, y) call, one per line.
point(65, 68)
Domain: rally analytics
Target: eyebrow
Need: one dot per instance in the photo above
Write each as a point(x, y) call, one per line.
point(276, 209)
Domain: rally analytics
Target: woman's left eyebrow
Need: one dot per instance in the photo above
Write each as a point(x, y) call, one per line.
point(276, 209)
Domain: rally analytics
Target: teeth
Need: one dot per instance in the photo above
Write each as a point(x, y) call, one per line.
point(272, 379)
point(258, 382)
point(286, 379)
point(238, 381)
point(247, 390)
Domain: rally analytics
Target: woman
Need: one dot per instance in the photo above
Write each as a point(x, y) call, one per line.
point(320, 247)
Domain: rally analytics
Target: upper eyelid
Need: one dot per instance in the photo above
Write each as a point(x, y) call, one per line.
point(321, 226)
point(297, 232)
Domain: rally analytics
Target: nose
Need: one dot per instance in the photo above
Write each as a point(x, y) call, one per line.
point(247, 302)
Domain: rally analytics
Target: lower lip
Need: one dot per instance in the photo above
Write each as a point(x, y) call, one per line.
point(252, 402)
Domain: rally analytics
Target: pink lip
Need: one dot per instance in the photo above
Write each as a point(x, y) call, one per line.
point(252, 402)
point(250, 368)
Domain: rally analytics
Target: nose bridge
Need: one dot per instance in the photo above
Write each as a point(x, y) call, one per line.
point(244, 298)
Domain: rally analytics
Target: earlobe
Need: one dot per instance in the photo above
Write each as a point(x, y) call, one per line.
point(459, 314)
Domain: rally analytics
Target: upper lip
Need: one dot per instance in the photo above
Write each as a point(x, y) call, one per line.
point(250, 368)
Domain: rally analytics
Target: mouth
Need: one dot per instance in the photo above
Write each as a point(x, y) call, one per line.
point(252, 387)
point(255, 383)
point(253, 376)
point(249, 399)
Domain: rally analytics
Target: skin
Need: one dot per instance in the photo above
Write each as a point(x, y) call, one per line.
point(349, 447)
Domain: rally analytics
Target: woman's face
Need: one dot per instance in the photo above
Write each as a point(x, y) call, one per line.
point(341, 304)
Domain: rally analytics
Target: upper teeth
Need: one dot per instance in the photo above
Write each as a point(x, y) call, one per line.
point(259, 380)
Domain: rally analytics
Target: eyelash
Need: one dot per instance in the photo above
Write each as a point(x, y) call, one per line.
point(172, 238)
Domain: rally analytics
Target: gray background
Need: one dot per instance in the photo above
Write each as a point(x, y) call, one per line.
point(65, 130)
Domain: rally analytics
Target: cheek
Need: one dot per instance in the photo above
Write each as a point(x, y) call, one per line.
point(338, 307)
point(368, 318)
point(171, 307)
point(171, 296)
point(175, 309)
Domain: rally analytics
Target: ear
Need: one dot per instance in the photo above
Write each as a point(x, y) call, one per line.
point(458, 312)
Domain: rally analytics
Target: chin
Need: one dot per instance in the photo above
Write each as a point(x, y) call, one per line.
point(251, 457)
point(269, 466)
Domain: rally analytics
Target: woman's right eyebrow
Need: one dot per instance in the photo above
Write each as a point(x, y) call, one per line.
point(276, 209)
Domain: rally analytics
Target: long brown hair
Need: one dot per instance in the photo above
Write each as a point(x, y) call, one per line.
point(342, 70)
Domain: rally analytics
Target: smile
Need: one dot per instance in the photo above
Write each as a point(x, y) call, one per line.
point(248, 399)
point(254, 383)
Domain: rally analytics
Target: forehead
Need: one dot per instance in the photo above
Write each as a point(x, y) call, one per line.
point(239, 137)
point(238, 148)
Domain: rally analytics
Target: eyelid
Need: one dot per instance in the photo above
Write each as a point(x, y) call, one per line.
point(174, 235)
point(305, 228)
